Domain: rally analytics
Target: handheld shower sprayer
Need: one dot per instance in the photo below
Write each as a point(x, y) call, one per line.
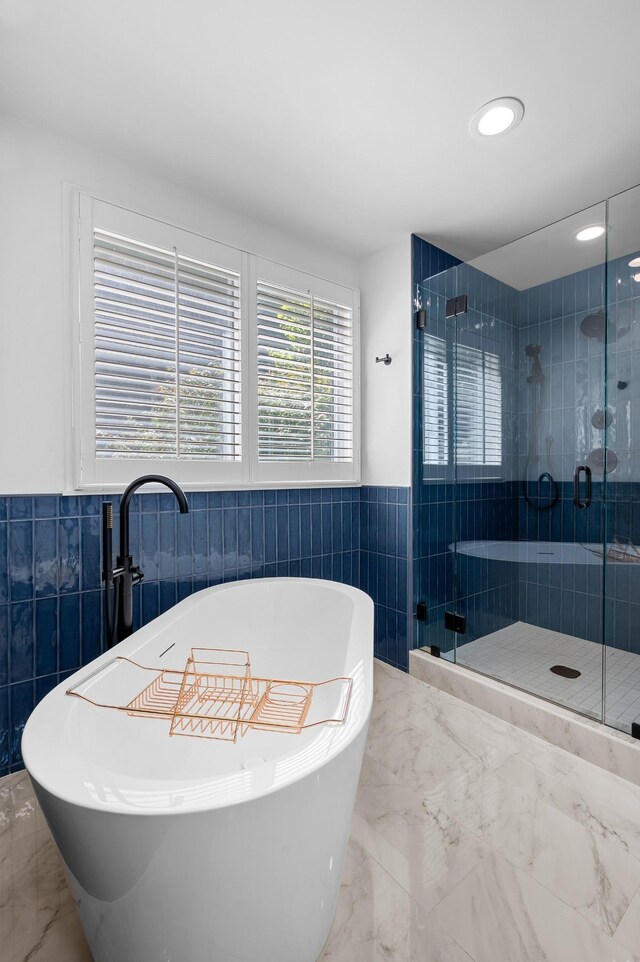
point(533, 351)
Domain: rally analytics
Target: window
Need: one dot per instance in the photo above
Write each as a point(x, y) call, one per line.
point(187, 367)
point(462, 390)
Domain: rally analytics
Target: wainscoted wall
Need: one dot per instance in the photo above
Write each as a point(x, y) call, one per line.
point(50, 561)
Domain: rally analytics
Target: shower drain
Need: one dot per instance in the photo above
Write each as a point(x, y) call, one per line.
point(565, 672)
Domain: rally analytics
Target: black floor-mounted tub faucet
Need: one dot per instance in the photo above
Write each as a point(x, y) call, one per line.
point(119, 616)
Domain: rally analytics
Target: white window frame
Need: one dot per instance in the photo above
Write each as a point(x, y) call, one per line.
point(88, 473)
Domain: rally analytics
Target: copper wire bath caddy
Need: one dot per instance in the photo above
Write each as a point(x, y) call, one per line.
point(216, 696)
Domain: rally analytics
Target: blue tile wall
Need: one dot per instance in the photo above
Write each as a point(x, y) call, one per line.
point(50, 561)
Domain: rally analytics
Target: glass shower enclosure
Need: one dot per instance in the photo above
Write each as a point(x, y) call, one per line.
point(527, 469)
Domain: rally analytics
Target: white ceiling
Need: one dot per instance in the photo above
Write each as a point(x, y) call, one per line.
point(345, 121)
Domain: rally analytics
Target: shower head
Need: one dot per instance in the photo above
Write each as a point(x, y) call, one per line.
point(594, 325)
point(532, 350)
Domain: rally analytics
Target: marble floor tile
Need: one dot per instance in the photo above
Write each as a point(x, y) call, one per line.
point(628, 932)
point(500, 913)
point(377, 921)
point(427, 853)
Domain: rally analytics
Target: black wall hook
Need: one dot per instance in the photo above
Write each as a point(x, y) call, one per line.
point(385, 360)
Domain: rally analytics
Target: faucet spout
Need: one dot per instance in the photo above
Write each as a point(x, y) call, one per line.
point(131, 490)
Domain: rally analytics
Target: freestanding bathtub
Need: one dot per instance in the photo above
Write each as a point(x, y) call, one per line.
point(188, 849)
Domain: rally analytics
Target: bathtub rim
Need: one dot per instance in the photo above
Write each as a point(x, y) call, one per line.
point(54, 787)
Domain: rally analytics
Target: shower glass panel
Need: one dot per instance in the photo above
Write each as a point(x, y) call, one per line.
point(620, 461)
point(515, 420)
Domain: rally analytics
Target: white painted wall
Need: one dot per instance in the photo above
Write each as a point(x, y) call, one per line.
point(385, 300)
point(34, 365)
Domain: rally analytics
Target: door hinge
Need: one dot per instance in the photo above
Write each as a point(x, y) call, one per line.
point(456, 306)
point(454, 622)
point(422, 612)
point(421, 319)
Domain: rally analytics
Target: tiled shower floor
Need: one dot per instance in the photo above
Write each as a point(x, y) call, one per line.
point(523, 654)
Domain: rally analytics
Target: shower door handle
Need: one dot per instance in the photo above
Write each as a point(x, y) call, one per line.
point(576, 486)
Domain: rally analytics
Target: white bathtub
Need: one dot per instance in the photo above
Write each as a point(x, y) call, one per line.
point(193, 850)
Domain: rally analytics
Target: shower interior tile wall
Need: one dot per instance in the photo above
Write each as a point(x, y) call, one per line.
point(565, 598)
point(50, 570)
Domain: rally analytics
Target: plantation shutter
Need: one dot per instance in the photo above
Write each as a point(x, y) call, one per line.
point(167, 354)
point(305, 377)
point(478, 407)
point(435, 374)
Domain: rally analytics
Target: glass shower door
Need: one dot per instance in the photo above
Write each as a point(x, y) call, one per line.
point(529, 422)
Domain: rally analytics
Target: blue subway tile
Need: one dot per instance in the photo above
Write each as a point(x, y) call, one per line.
point(21, 706)
point(4, 645)
point(230, 540)
point(69, 506)
point(282, 532)
point(45, 506)
point(21, 642)
point(316, 529)
point(91, 560)
point(294, 531)
point(257, 534)
point(20, 508)
point(4, 571)
point(167, 545)
point(68, 554)
point(200, 535)
point(46, 636)
point(270, 543)
point(69, 632)
point(91, 603)
point(244, 538)
point(305, 530)
point(184, 545)
point(20, 559)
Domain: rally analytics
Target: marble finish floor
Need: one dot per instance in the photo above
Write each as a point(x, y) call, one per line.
point(522, 655)
point(472, 841)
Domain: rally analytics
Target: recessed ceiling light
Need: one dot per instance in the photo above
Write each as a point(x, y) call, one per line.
point(497, 117)
point(590, 233)
point(635, 262)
